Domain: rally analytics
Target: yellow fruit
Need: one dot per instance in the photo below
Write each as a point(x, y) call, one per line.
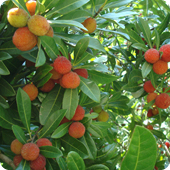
point(103, 116)
point(89, 24)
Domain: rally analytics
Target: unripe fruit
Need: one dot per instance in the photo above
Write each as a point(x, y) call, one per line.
point(48, 86)
point(97, 109)
point(166, 52)
point(152, 55)
point(62, 65)
point(50, 32)
point(23, 39)
point(16, 146)
point(162, 101)
point(31, 6)
point(76, 130)
point(39, 163)
point(79, 113)
point(17, 17)
point(148, 87)
point(81, 72)
point(150, 127)
point(30, 151)
point(31, 90)
point(17, 159)
point(70, 80)
point(151, 96)
point(149, 114)
point(43, 142)
point(103, 116)
point(38, 25)
point(160, 67)
point(90, 25)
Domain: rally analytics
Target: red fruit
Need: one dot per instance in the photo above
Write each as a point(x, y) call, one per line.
point(151, 55)
point(79, 113)
point(43, 142)
point(31, 6)
point(55, 74)
point(76, 130)
point(82, 72)
point(156, 168)
point(155, 110)
point(162, 101)
point(70, 80)
point(48, 86)
point(64, 120)
point(148, 87)
point(17, 159)
point(62, 65)
point(31, 90)
point(160, 67)
point(166, 52)
point(151, 96)
point(167, 144)
point(16, 146)
point(39, 163)
point(149, 114)
point(30, 151)
point(150, 127)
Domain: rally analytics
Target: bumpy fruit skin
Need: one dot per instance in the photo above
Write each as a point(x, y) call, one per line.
point(48, 86)
point(103, 116)
point(90, 25)
point(70, 80)
point(150, 127)
point(17, 17)
point(149, 114)
point(152, 55)
point(50, 32)
point(17, 159)
point(31, 90)
point(79, 113)
point(39, 163)
point(16, 146)
point(160, 67)
point(38, 25)
point(151, 96)
point(43, 142)
point(167, 144)
point(76, 130)
point(55, 74)
point(62, 65)
point(97, 109)
point(166, 52)
point(162, 101)
point(31, 6)
point(30, 151)
point(82, 72)
point(148, 87)
point(23, 39)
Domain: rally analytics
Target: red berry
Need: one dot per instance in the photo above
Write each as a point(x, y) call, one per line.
point(17, 159)
point(39, 163)
point(162, 101)
point(76, 130)
point(151, 55)
point(166, 52)
point(43, 142)
point(148, 87)
point(79, 113)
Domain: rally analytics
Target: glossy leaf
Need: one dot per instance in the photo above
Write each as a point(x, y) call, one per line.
point(24, 165)
point(97, 167)
point(62, 163)
point(44, 80)
point(52, 122)
point(51, 164)
point(132, 87)
point(146, 69)
point(4, 56)
point(19, 133)
point(159, 134)
point(90, 89)
point(74, 161)
point(70, 102)
point(41, 58)
point(157, 39)
point(140, 46)
point(3, 102)
point(50, 151)
point(51, 103)
point(142, 150)
point(135, 76)
point(3, 69)
point(24, 108)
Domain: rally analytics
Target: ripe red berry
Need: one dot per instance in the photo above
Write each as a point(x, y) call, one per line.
point(48, 86)
point(16, 146)
point(151, 55)
point(43, 142)
point(150, 127)
point(76, 130)
point(149, 114)
point(162, 101)
point(82, 72)
point(160, 67)
point(151, 96)
point(166, 52)
point(148, 87)
point(167, 144)
point(39, 163)
point(17, 159)
point(79, 113)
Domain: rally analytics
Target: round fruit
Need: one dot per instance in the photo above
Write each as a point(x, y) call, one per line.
point(43, 142)
point(148, 87)
point(48, 86)
point(55, 74)
point(152, 55)
point(79, 113)
point(17, 159)
point(151, 96)
point(39, 163)
point(155, 110)
point(166, 52)
point(160, 67)
point(97, 109)
point(31, 6)
point(81, 72)
point(162, 101)
point(149, 114)
point(103, 116)
point(167, 144)
point(150, 127)
point(23, 39)
point(90, 25)
point(16, 146)
point(50, 32)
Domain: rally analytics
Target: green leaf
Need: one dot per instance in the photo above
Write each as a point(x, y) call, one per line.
point(88, 141)
point(72, 144)
point(3, 69)
point(52, 122)
point(157, 39)
point(146, 69)
point(100, 77)
point(4, 56)
point(6, 89)
point(24, 165)
point(62, 163)
point(146, 30)
point(50, 151)
point(51, 103)
point(50, 46)
point(19, 133)
point(51, 164)
point(70, 102)
point(135, 76)
point(95, 131)
point(132, 87)
point(44, 80)
point(142, 150)
point(74, 161)
point(140, 46)
point(61, 130)
point(24, 108)
point(3, 102)
point(92, 115)
point(80, 48)
point(97, 167)
point(90, 89)
point(159, 134)
point(41, 58)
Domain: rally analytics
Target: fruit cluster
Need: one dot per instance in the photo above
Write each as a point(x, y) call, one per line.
point(29, 26)
point(30, 152)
